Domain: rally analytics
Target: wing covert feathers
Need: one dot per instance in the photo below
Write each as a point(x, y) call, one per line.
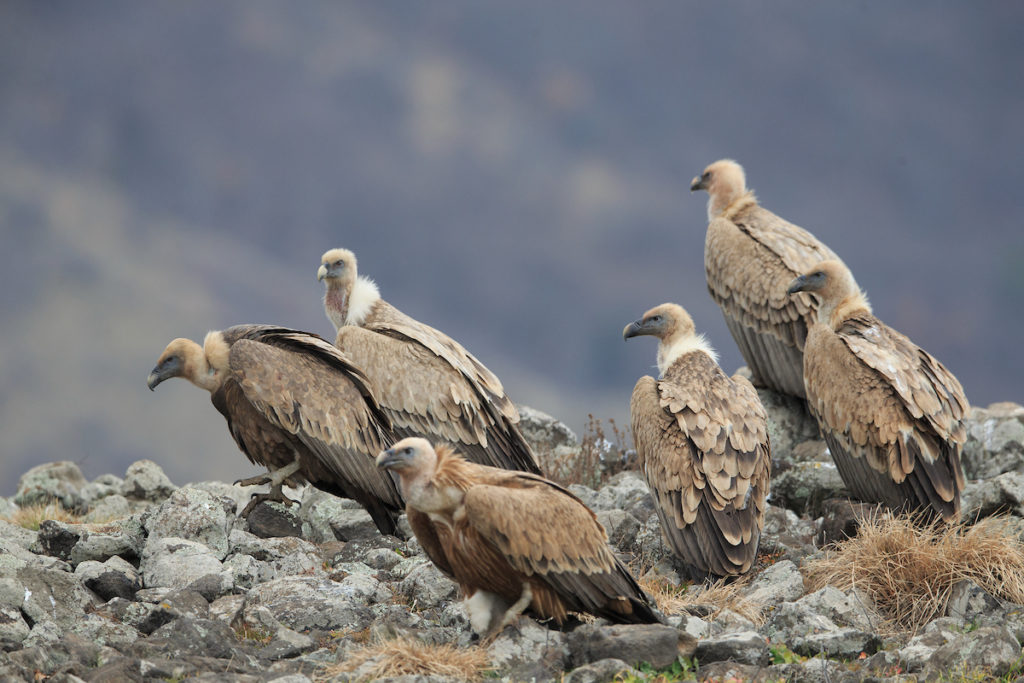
point(703, 446)
point(891, 414)
point(750, 257)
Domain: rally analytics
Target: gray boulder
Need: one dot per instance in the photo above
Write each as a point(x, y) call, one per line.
point(995, 441)
point(176, 562)
point(144, 480)
point(601, 671)
point(789, 424)
point(543, 432)
point(54, 481)
point(304, 602)
point(746, 647)
point(53, 595)
point(781, 582)
point(528, 651)
point(108, 508)
point(195, 515)
point(655, 644)
point(329, 518)
point(110, 579)
point(101, 487)
point(425, 583)
point(992, 649)
point(804, 486)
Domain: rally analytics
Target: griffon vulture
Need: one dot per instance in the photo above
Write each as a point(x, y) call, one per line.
point(750, 257)
point(892, 415)
point(702, 442)
point(295, 405)
point(425, 381)
point(511, 540)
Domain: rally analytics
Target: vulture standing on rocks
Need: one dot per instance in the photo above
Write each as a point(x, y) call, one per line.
point(750, 257)
point(702, 442)
point(425, 381)
point(892, 415)
point(295, 405)
point(512, 540)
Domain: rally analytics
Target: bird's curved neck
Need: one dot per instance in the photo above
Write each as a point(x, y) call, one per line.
point(672, 349)
point(729, 205)
point(350, 303)
point(205, 365)
point(834, 313)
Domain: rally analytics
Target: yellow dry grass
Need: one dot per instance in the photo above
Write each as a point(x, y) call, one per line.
point(720, 596)
point(909, 568)
point(409, 657)
point(31, 516)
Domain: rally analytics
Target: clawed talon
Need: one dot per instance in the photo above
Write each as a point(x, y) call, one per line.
point(258, 480)
point(511, 615)
point(276, 479)
point(275, 495)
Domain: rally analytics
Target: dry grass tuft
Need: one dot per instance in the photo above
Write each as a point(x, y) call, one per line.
point(408, 657)
point(910, 569)
point(600, 456)
point(31, 516)
point(719, 596)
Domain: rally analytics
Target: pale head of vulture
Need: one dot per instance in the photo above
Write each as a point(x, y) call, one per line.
point(834, 285)
point(724, 181)
point(414, 460)
point(348, 297)
point(673, 326)
point(204, 365)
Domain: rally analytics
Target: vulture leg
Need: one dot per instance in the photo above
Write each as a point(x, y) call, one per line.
point(276, 478)
point(513, 612)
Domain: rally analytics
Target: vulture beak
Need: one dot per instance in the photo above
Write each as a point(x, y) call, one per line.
point(797, 285)
point(321, 272)
point(698, 183)
point(169, 368)
point(634, 329)
point(392, 459)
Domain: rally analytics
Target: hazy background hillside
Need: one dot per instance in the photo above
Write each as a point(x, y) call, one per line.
point(513, 173)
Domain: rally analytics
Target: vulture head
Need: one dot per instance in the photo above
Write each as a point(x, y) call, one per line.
point(409, 457)
point(348, 297)
point(337, 268)
point(200, 365)
point(671, 324)
point(833, 283)
point(175, 361)
point(724, 181)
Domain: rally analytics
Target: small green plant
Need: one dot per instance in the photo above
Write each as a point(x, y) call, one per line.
point(683, 669)
point(783, 655)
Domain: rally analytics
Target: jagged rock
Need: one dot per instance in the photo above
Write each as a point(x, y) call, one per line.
point(842, 643)
point(329, 518)
point(54, 481)
point(13, 629)
point(58, 538)
point(101, 487)
point(271, 519)
point(176, 562)
point(144, 480)
point(917, 652)
point(543, 432)
point(96, 629)
point(1000, 494)
point(786, 535)
point(789, 424)
point(969, 602)
point(108, 508)
point(992, 649)
point(995, 441)
point(110, 579)
point(7, 508)
point(621, 526)
point(53, 595)
point(189, 636)
point(19, 535)
point(70, 654)
point(227, 607)
point(747, 647)
point(303, 602)
point(601, 671)
point(624, 491)
point(731, 671)
point(425, 583)
point(781, 582)
point(99, 542)
point(284, 556)
point(804, 486)
point(649, 544)
point(195, 515)
point(815, 670)
point(528, 651)
point(655, 644)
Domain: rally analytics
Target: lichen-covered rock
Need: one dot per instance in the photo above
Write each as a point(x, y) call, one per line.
point(601, 671)
point(144, 480)
point(919, 649)
point(747, 647)
point(114, 578)
point(272, 520)
point(54, 481)
point(781, 582)
point(425, 583)
point(195, 515)
point(13, 629)
point(99, 542)
point(804, 486)
point(101, 487)
point(328, 518)
point(108, 508)
point(176, 562)
point(303, 602)
point(527, 651)
point(621, 527)
point(853, 608)
point(53, 595)
point(543, 432)
point(786, 535)
point(654, 644)
point(789, 424)
point(992, 649)
point(1003, 493)
point(995, 441)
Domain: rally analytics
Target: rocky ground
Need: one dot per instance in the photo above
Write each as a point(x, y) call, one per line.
point(149, 581)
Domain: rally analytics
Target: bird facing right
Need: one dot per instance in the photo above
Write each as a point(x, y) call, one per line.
point(892, 415)
point(702, 441)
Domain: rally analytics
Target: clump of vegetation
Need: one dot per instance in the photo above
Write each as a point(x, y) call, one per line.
point(683, 669)
point(910, 568)
point(410, 657)
point(254, 634)
point(598, 458)
point(31, 516)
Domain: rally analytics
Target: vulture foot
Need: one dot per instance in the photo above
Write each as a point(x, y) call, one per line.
point(275, 495)
point(511, 614)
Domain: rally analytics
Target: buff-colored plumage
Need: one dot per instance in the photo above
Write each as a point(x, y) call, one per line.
point(294, 403)
point(750, 257)
point(513, 536)
point(892, 415)
point(702, 441)
point(426, 381)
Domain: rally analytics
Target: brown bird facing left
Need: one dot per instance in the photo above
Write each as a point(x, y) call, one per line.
point(702, 441)
point(295, 405)
point(892, 415)
point(512, 541)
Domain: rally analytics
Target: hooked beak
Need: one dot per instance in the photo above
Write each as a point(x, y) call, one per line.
point(634, 329)
point(698, 183)
point(797, 285)
point(321, 272)
point(169, 368)
point(391, 459)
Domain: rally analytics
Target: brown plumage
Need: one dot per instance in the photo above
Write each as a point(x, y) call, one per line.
point(750, 257)
point(892, 415)
point(702, 441)
point(295, 405)
point(512, 540)
point(426, 382)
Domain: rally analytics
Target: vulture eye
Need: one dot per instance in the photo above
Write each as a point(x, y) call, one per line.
point(707, 174)
point(655, 318)
point(339, 263)
point(407, 450)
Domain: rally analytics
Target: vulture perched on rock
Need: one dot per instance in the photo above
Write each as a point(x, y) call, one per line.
point(702, 442)
point(295, 405)
point(750, 257)
point(512, 541)
point(892, 415)
point(425, 381)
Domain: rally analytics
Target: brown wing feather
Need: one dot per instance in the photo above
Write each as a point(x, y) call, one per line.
point(424, 394)
point(703, 445)
point(750, 257)
point(880, 399)
point(426, 534)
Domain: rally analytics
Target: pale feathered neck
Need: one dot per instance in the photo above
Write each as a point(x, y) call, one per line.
point(731, 209)
point(206, 365)
point(364, 295)
point(846, 308)
point(671, 350)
